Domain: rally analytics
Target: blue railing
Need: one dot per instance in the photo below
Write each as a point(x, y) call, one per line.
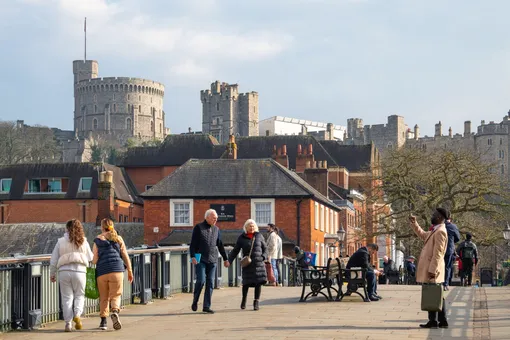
point(28, 298)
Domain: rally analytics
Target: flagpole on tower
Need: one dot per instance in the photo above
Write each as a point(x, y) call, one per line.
point(85, 30)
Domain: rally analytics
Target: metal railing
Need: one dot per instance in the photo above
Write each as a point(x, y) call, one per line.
point(28, 298)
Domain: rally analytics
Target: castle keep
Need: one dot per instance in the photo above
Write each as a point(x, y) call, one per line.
point(226, 112)
point(117, 107)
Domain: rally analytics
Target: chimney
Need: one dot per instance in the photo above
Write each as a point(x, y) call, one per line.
point(304, 157)
point(105, 197)
point(317, 178)
point(281, 157)
point(304, 130)
point(231, 148)
point(330, 129)
point(467, 128)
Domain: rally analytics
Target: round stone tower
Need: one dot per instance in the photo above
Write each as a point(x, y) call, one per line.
point(117, 106)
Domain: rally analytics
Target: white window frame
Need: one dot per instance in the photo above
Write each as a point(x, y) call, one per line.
point(172, 207)
point(332, 221)
point(316, 216)
point(326, 219)
point(81, 183)
point(34, 192)
point(335, 219)
point(263, 200)
point(1, 184)
point(322, 218)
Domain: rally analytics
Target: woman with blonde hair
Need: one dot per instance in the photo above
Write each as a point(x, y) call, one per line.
point(252, 243)
point(71, 257)
point(111, 259)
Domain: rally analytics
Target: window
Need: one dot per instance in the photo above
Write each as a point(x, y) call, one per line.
point(147, 187)
point(114, 107)
point(121, 218)
point(94, 124)
point(326, 219)
point(128, 124)
point(55, 185)
point(85, 183)
point(5, 184)
point(489, 141)
point(34, 185)
point(263, 211)
point(181, 212)
point(217, 135)
point(322, 218)
point(95, 98)
point(152, 126)
point(217, 106)
point(160, 128)
point(140, 108)
point(501, 154)
point(316, 215)
point(332, 222)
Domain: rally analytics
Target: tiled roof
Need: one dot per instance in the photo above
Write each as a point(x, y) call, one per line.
point(234, 178)
point(352, 157)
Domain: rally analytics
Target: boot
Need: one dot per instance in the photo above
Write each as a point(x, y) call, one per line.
point(255, 304)
point(243, 303)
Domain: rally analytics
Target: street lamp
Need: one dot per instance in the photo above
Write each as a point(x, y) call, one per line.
point(506, 232)
point(341, 238)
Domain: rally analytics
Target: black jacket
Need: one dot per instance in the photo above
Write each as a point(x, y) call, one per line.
point(255, 273)
point(206, 240)
point(389, 267)
point(361, 258)
point(453, 237)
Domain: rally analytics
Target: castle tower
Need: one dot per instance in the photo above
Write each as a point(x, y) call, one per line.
point(439, 130)
point(354, 127)
point(450, 132)
point(227, 112)
point(116, 107)
point(467, 128)
point(416, 132)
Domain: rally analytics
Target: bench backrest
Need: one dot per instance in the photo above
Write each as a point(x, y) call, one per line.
point(354, 274)
point(333, 268)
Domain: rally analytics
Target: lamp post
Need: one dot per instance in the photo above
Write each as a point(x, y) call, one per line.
point(506, 233)
point(341, 238)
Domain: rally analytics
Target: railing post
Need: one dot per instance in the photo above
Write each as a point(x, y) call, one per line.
point(219, 273)
point(184, 267)
point(146, 275)
point(239, 271)
point(165, 275)
point(32, 314)
point(284, 273)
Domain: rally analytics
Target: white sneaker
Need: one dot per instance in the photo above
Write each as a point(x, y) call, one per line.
point(68, 328)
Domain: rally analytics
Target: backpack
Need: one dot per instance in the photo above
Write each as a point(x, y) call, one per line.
point(468, 251)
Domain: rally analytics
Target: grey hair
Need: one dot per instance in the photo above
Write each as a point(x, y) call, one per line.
point(208, 212)
point(248, 222)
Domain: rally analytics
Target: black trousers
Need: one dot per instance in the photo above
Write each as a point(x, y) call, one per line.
point(258, 289)
point(439, 316)
point(467, 267)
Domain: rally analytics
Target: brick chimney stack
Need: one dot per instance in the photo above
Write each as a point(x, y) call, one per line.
point(105, 197)
point(280, 155)
point(304, 155)
point(231, 148)
point(317, 176)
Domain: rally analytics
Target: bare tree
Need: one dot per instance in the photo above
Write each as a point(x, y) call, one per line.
point(27, 144)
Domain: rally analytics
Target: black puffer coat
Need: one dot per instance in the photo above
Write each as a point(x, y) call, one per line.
point(255, 273)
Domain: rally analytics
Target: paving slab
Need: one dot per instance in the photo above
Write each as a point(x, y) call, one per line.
point(281, 316)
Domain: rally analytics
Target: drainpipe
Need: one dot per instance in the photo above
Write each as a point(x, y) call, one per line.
point(298, 205)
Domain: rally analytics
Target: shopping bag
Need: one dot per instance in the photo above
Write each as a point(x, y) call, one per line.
point(269, 271)
point(431, 297)
point(91, 290)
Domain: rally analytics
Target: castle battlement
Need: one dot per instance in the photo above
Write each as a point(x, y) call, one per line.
point(121, 80)
point(492, 129)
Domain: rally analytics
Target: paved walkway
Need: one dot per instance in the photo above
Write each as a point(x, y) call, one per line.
point(282, 317)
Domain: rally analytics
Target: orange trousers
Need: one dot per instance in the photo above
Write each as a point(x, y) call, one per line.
point(110, 290)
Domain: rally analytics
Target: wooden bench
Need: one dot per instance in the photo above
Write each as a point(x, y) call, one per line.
point(355, 278)
point(321, 280)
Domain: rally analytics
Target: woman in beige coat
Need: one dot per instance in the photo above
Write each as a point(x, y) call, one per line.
point(431, 264)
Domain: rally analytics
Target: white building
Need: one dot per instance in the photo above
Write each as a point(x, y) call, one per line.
point(292, 126)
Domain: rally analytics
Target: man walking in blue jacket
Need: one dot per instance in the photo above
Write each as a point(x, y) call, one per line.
point(449, 256)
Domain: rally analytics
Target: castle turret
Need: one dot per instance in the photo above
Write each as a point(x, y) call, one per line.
point(467, 128)
point(85, 69)
point(450, 132)
point(416, 132)
point(439, 130)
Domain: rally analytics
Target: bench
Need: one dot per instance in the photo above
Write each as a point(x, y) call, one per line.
point(355, 278)
point(321, 280)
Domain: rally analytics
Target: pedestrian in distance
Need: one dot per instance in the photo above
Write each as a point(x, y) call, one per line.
point(71, 257)
point(252, 244)
point(449, 256)
point(431, 265)
point(206, 241)
point(469, 256)
point(274, 248)
point(111, 260)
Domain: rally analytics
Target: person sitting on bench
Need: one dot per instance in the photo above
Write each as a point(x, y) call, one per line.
point(361, 258)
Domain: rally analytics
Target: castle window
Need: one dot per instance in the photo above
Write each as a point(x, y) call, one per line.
point(94, 124)
point(130, 87)
point(116, 87)
point(122, 87)
point(95, 108)
point(102, 87)
point(160, 128)
point(152, 126)
point(129, 124)
point(217, 106)
point(114, 107)
point(129, 97)
point(489, 141)
point(501, 154)
point(140, 108)
point(95, 98)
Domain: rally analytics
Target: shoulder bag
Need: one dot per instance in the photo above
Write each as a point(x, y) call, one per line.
point(246, 260)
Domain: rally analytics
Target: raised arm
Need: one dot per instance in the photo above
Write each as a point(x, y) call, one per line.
point(418, 230)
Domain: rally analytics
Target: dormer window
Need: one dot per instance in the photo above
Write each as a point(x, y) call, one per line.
point(85, 184)
point(5, 185)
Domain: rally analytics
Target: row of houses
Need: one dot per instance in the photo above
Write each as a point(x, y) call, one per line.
point(309, 188)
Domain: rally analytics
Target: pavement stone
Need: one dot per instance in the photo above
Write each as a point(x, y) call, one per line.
point(282, 317)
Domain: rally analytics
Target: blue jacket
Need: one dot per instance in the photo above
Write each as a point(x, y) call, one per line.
point(453, 237)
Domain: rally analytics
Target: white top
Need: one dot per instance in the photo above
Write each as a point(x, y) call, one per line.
point(66, 256)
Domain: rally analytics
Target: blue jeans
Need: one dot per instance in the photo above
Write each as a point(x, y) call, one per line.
point(371, 283)
point(274, 264)
point(205, 274)
point(448, 268)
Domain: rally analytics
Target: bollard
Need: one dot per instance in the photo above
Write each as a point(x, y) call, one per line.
point(32, 314)
point(165, 275)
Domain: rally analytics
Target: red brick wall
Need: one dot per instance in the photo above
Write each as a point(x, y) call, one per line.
point(156, 214)
point(42, 211)
point(148, 175)
point(136, 212)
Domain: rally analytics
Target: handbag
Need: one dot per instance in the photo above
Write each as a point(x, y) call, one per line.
point(91, 290)
point(270, 273)
point(246, 260)
point(431, 297)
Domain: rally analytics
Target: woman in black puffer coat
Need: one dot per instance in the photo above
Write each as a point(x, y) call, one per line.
point(254, 275)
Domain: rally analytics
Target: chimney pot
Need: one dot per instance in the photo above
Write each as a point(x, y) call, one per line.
point(284, 150)
point(325, 164)
point(279, 152)
point(307, 165)
point(310, 149)
point(299, 149)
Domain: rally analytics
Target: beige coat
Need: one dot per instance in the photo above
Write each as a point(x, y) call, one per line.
point(432, 254)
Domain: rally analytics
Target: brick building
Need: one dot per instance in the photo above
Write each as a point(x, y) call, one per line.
point(260, 189)
point(39, 193)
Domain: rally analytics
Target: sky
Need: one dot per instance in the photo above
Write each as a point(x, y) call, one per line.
point(321, 60)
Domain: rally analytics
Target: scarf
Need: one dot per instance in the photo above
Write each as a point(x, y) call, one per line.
point(250, 235)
